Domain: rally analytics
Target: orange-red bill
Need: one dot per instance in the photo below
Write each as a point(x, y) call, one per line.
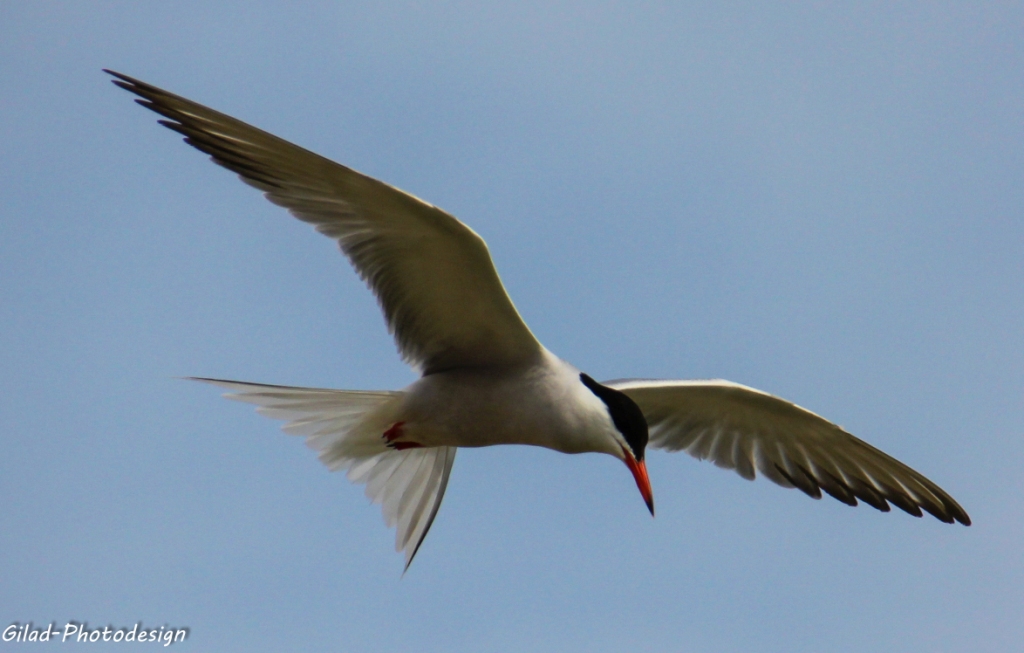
point(643, 482)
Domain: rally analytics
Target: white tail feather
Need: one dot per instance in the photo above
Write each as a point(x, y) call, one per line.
point(345, 427)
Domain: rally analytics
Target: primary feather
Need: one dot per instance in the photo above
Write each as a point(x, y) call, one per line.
point(486, 379)
point(744, 429)
point(433, 275)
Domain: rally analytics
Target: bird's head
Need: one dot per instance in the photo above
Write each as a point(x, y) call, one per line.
point(632, 433)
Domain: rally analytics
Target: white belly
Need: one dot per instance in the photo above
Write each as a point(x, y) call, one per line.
point(544, 405)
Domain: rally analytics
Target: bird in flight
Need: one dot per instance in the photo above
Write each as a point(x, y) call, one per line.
point(485, 379)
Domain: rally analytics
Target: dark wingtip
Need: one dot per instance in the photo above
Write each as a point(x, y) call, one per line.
point(131, 84)
point(119, 76)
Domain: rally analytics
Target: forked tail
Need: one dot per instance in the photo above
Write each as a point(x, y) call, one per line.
point(345, 428)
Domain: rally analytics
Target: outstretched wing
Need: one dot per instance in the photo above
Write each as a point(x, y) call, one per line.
point(741, 428)
point(344, 426)
point(432, 275)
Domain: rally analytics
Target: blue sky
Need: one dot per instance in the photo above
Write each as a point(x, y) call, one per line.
point(821, 201)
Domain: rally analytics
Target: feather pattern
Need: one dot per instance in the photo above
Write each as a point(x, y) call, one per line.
point(486, 380)
point(433, 276)
point(747, 430)
point(345, 427)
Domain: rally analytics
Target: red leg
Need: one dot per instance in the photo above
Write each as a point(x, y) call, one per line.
point(394, 432)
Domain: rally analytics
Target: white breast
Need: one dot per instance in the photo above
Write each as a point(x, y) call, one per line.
point(542, 404)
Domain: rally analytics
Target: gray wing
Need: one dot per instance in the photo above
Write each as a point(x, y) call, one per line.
point(741, 428)
point(432, 275)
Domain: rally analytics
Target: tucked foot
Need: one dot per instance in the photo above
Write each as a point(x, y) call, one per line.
point(392, 435)
point(394, 432)
point(401, 446)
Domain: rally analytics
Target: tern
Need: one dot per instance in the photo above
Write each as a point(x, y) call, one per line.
point(484, 378)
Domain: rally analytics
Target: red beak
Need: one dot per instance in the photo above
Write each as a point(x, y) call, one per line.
point(643, 483)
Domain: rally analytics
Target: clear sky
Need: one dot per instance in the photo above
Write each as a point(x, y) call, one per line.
point(820, 200)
